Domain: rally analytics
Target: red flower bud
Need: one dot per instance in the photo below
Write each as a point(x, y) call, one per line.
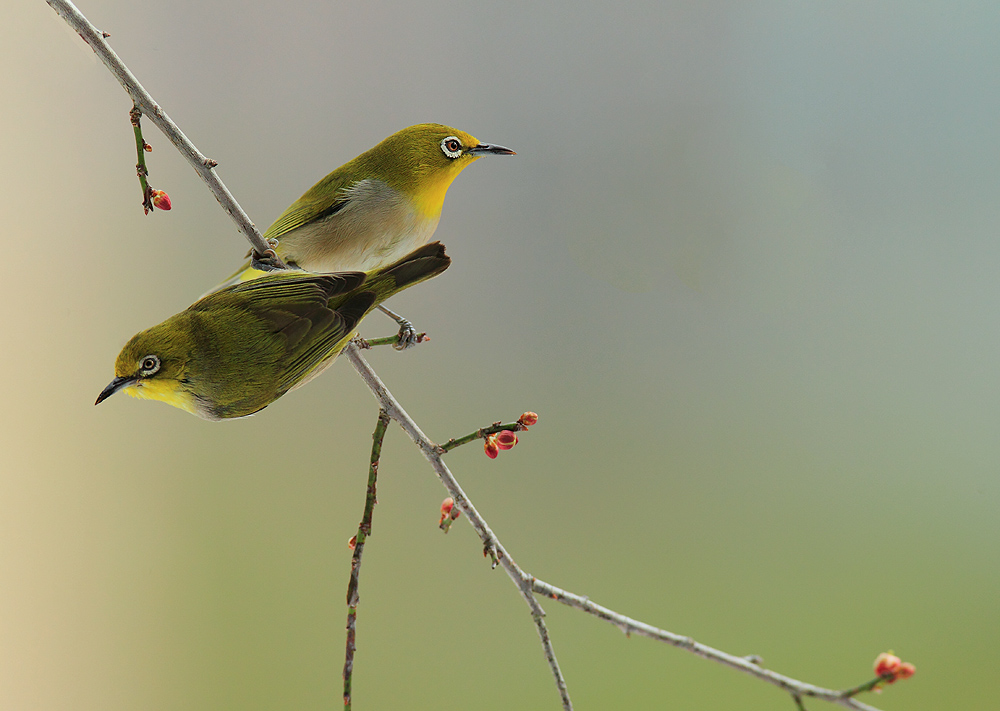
point(905, 671)
point(506, 439)
point(446, 507)
point(146, 147)
point(886, 663)
point(161, 201)
point(491, 448)
point(449, 512)
point(528, 418)
point(352, 542)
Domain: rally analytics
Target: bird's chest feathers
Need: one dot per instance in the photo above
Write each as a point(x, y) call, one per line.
point(377, 225)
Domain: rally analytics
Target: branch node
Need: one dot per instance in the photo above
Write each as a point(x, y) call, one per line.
point(490, 550)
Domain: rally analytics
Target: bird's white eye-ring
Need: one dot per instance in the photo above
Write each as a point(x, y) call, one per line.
point(451, 146)
point(150, 364)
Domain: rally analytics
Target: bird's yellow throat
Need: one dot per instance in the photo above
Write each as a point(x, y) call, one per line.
point(166, 390)
point(429, 196)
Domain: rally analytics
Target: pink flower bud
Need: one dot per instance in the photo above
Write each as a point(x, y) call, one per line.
point(491, 448)
point(449, 512)
point(528, 419)
point(446, 507)
point(886, 663)
point(506, 439)
point(905, 671)
point(161, 201)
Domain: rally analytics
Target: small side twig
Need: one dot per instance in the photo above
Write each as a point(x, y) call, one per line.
point(364, 530)
point(141, 147)
point(369, 343)
point(481, 434)
point(204, 166)
point(867, 686)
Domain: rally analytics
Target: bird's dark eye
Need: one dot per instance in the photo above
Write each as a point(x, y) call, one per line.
point(451, 146)
point(150, 364)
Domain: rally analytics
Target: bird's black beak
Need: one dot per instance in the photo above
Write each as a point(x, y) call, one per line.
point(113, 387)
point(490, 149)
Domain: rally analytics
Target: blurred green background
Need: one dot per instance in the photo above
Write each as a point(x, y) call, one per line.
point(744, 266)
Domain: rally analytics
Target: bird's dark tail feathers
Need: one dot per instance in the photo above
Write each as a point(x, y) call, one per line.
point(420, 264)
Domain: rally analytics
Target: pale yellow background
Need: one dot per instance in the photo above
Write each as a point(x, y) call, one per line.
point(744, 266)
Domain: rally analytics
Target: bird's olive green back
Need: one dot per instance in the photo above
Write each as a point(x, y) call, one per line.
point(256, 340)
point(287, 317)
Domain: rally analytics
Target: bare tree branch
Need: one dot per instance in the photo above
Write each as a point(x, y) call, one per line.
point(526, 584)
point(205, 167)
point(630, 626)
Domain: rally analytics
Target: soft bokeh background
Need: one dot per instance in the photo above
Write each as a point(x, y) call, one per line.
point(744, 267)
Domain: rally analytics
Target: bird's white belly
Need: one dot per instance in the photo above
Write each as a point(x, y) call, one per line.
point(377, 227)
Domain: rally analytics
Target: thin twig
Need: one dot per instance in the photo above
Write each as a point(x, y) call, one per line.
point(364, 530)
point(205, 167)
point(867, 686)
point(141, 169)
point(369, 343)
point(481, 434)
point(527, 583)
point(491, 546)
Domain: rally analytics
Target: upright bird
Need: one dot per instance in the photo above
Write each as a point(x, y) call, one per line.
point(377, 208)
point(239, 349)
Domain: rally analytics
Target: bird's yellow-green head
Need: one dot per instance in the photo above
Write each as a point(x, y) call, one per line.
point(153, 366)
point(422, 161)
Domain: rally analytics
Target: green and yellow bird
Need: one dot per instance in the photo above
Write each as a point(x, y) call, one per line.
point(377, 208)
point(239, 349)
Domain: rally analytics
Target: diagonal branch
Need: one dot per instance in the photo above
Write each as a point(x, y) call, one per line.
point(630, 626)
point(527, 584)
point(205, 167)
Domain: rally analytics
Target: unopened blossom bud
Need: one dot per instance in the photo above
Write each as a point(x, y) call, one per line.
point(161, 201)
point(506, 439)
point(490, 447)
point(352, 542)
point(886, 663)
point(449, 512)
point(905, 671)
point(146, 147)
point(446, 507)
point(528, 419)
